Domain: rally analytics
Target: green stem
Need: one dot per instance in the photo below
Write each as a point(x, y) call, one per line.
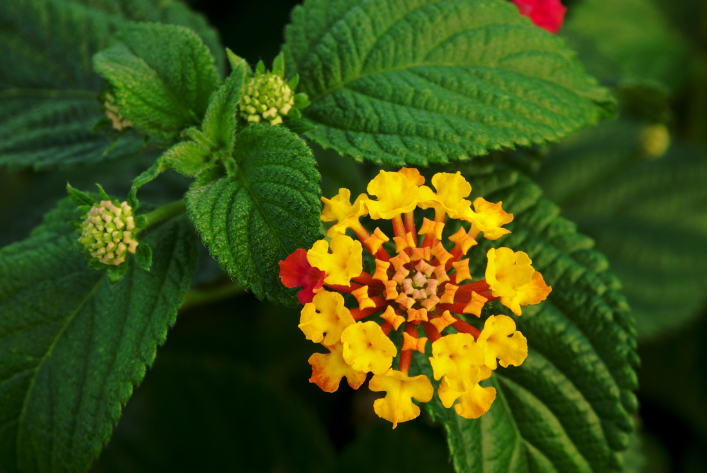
point(199, 297)
point(164, 212)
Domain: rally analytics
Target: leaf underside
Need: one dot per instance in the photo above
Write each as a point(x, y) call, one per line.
point(73, 345)
point(421, 81)
point(270, 208)
point(48, 90)
point(567, 408)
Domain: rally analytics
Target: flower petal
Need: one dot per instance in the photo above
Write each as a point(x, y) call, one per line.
point(325, 314)
point(328, 369)
point(450, 196)
point(489, 218)
point(295, 271)
point(340, 210)
point(397, 405)
point(499, 339)
point(367, 348)
point(343, 263)
point(396, 194)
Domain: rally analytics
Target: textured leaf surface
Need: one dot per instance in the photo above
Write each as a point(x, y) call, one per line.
point(48, 90)
point(648, 217)
point(163, 76)
point(220, 120)
point(422, 81)
point(567, 407)
point(267, 210)
point(73, 346)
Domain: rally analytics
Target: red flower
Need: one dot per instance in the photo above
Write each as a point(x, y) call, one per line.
point(295, 271)
point(547, 14)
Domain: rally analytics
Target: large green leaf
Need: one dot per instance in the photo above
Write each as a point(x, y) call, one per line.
point(267, 209)
point(648, 217)
point(568, 406)
point(163, 76)
point(424, 81)
point(48, 90)
point(72, 345)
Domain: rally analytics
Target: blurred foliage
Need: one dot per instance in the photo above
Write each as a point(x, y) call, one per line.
point(649, 217)
point(206, 374)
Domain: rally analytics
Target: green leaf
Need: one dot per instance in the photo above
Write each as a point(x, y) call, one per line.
point(49, 93)
point(568, 406)
point(73, 345)
point(78, 197)
point(648, 217)
point(220, 120)
point(628, 40)
point(163, 76)
point(420, 82)
point(188, 158)
point(267, 210)
point(143, 256)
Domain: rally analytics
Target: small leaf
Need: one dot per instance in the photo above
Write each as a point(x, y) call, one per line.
point(163, 76)
point(78, 197)
point(237, 61)
point(143, 178)
point(278, 65)
point(300, 127)
point(220, 120)
point(422, 81)
point(569, 406)
point(187, 158)
point(265, 210)
point(115, 273)
point(143, 256)
point(104, 195)
point(74, 346)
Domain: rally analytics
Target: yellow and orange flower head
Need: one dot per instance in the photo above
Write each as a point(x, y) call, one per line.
point(417, 287)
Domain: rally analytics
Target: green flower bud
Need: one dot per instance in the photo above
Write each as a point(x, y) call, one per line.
point(655, 141)
point(107, 232)
point(266, 98)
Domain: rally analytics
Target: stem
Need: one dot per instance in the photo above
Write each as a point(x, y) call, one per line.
point(199, 297)
point(164, 212)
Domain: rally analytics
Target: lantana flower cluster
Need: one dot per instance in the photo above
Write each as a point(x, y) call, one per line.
point(422, 291)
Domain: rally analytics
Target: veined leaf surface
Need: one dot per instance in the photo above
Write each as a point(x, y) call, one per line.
point(73, 345)
point(422, 81)
point(568, 407)
point(269, 208)
point(48, 89)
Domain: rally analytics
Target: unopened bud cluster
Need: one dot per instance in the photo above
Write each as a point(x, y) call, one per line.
point(655, 141)
point(267, 97)
point(107, 232)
